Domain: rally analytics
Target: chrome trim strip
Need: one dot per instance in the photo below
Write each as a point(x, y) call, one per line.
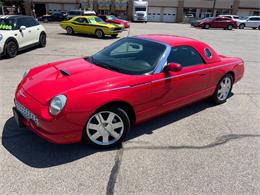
point(163, 79)
point(112, 89)
point(188, 73)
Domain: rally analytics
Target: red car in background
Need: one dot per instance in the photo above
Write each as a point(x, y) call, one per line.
point(215, 22)
point(113, 19)
point(99, 98)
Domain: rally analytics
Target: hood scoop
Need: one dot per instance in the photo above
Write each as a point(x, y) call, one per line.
point(64, 72)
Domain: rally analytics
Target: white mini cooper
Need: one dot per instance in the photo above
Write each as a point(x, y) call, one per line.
point(18, 33)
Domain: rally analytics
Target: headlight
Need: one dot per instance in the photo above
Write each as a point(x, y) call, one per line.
point(1, 37)
point(25, 73)
point(57, 104)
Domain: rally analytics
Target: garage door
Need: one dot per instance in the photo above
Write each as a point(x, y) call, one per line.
point(154, 14)
point(68, 7)
point(169, 15)
point(54, 7)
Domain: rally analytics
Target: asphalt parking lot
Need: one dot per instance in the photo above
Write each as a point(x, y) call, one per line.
point(200, 149)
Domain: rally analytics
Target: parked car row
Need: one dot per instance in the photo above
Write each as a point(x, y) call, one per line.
point(228, 22)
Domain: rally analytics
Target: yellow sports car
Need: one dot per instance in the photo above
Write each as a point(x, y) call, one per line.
point(91, 25)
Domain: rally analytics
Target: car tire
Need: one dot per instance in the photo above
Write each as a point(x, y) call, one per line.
point(258, 27)
point(99, 34)
point(223, 89)
point(206, 26)
point(242, 26)
point(114, 35)
point(45, 20)
point(107, 127)
point(42, 40)
point(254, 28)
point(229, 27)
point(11, 49)
point(70, 30)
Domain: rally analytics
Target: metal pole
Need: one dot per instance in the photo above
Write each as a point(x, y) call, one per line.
point(213, 9)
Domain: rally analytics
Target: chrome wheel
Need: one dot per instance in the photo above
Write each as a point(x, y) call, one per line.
point(224, 89)
point(105, 128)
point(230, 27)
point(99, 33)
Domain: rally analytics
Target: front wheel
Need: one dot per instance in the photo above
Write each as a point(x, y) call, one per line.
point(241, 26)
point(223, 89)
point(107, 127)
point(206, 26)
point(99, 34)
point(11, 49)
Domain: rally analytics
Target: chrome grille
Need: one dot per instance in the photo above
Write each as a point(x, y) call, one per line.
point(26, 113)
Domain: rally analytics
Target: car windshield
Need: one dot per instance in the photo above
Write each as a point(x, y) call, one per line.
point(94, 20)
point(111, 17)
point(7, 24)
point(236, 17)
point(130, 56)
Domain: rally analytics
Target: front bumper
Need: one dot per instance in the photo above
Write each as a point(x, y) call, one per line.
point(31, 114)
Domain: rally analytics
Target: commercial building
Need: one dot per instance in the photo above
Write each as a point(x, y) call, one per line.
point(158, 10)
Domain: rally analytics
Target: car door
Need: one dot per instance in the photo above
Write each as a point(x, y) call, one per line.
point(219, 23)
point(35, 29)
point(81, 25)
point(175, 89)
point(253, 22)
point(22, 36)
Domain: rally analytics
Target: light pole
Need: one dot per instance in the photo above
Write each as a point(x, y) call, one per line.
point(213, 9)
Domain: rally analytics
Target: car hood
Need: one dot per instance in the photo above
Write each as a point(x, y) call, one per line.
point(108, 25)
point(45, 82)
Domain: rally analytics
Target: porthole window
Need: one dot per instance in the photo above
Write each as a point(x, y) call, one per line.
point(208, 53)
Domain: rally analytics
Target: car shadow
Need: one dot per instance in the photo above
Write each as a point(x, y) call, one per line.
point(22, 52)
point(36, 152)
point(107, 37)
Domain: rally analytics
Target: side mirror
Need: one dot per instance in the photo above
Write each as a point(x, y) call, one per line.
point(22, 28)
point(173, 67)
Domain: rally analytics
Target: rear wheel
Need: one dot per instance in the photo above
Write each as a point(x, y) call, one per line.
point(70, 30)
point(258, 27)
point(230, 27)
point(99, 33)
point(107, 127)
point(11, 49)
point(42, 40)
point(223, 89)
point(242, 26)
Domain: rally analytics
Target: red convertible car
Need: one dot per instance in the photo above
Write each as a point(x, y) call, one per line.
point(215, 22)
point(114, 20)
point(99, 98)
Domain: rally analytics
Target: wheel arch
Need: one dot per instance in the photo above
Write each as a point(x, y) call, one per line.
point(232, 73)
point(125, 106)
point(11, 39)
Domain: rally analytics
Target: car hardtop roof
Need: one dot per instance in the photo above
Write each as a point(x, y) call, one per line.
point(170, 39)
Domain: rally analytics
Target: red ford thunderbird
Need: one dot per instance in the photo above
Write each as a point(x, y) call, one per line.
point(99, 98)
